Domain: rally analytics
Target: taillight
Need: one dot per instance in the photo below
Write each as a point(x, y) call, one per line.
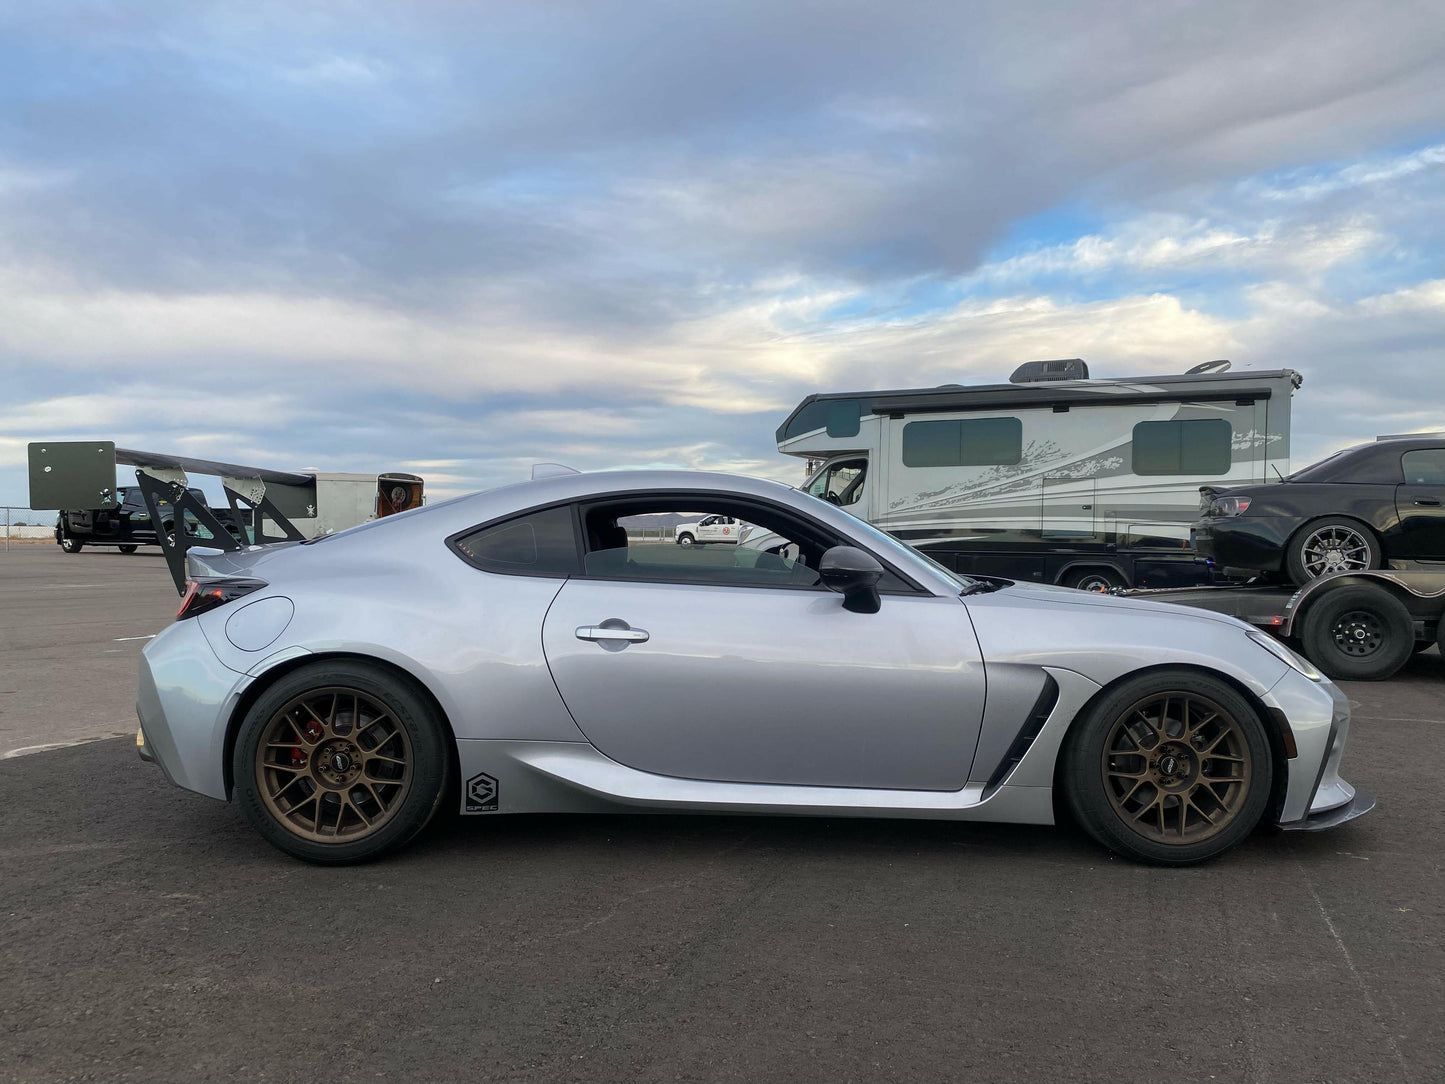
point(1230, 506)
point(203, 595)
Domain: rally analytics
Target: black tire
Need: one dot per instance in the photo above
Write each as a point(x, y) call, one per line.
point(1358, 551)
point(1092, 579)
point(1358, 633)
point(685, 540)
point(428, 747)
point(1088, 767)
point(71, 545)
point(128, 548)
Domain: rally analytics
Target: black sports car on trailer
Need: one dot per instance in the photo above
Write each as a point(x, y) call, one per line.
point(1374, 506)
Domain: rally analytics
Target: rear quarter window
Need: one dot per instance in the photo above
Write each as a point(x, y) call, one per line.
point(540, 543)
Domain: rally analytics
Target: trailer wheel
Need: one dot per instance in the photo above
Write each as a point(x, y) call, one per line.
point(1358, 633)
point(1093, 579)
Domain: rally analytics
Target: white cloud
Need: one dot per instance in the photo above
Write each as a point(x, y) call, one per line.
point(1306, 186)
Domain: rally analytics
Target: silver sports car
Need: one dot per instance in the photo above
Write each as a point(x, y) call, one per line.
point(522, 650)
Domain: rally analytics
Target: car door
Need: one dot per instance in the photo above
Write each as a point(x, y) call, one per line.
point(1420, 505)
point(817, 695)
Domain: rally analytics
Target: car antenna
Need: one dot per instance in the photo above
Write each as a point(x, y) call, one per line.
point(1276, 472)
point(551, 470)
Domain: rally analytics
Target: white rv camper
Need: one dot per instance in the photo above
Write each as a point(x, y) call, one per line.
point(1053, 477)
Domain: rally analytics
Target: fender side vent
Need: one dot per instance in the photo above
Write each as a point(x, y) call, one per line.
point(1043, 708)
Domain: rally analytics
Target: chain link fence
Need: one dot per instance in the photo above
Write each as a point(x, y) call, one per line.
point(26, 525)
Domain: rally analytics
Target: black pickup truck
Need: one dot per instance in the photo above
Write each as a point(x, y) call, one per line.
point(127, 525)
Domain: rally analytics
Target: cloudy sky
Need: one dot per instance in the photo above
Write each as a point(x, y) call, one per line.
point(460, 238)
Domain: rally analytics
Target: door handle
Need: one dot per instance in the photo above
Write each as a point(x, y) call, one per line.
point(613, 633)
point(1427, 502)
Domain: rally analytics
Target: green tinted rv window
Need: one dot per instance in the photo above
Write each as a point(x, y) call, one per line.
point(970, 442)
point(839, 417)
point(843, 416)
point(1195, 446)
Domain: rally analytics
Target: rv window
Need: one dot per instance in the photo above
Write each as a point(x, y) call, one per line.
point(970, 442)
point(839, 417)
point(1195, 446)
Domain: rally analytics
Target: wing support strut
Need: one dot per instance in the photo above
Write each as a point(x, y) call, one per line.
point(178, 539)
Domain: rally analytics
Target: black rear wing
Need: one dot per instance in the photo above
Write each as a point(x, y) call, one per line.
point(81, 474)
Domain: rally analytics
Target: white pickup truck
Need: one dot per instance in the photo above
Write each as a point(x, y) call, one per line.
point(708, 529)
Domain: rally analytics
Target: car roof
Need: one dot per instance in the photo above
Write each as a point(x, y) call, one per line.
point(458, 513)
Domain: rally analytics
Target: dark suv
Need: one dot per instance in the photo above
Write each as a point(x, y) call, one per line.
point(127, 525)
point(1374, 506)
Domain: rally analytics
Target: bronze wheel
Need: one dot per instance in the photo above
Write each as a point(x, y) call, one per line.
point(333, 765)
point(1176, 767)
point(1171, 766)
point(341, 760)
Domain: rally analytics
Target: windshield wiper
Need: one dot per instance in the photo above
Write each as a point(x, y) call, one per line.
point(980, 587)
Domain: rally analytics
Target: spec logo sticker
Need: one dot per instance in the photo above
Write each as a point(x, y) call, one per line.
point(482, 792)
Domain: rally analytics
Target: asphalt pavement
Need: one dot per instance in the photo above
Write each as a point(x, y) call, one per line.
point(148, 934)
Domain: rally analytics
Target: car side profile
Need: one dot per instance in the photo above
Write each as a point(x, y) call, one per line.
point(1378, 505)
point(514, 652)
point(707, 529)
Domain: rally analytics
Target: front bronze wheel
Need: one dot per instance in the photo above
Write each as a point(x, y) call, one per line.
point(1176, 767)
point(333, 765)
point(341, 761)
point(1170, 767)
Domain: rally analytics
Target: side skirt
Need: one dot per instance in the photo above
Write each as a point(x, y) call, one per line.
point(502, 776)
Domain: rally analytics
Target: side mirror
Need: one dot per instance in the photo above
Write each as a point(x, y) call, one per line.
point(854, 575)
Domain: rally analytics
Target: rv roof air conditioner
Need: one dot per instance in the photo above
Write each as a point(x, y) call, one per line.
point(1034, 372)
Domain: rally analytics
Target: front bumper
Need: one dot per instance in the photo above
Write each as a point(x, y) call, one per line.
point(1319, 718)
point(1358, 806)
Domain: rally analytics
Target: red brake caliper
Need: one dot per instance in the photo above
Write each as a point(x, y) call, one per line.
point(313, 735)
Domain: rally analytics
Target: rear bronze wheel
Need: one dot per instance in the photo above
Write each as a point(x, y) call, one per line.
point(341, 762)
point(1171, 767)
point(333, 765)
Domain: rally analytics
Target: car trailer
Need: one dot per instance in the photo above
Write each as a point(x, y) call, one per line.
point(1355, 626)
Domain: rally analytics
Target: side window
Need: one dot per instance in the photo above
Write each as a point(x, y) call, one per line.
point(841, 483)
point(537, 544)
point(619, 550)
point(963, 442)
point(1424, 467)
point(1193, 446)
point(784, 553)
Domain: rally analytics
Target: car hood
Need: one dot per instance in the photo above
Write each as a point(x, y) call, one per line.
point(1098, 600)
